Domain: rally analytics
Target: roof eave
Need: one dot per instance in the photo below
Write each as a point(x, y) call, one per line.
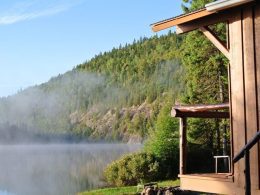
point(211, 8)
point(179, 20)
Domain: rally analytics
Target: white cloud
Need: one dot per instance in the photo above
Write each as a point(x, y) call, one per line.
point(31, 10)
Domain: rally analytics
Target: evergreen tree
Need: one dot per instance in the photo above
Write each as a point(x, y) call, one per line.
point(206, 80)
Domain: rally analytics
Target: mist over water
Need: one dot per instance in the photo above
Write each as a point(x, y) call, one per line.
point(56, 168)
point(57, 111)
point(42, 114)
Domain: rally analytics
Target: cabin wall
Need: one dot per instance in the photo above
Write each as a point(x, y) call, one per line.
point(244, 32)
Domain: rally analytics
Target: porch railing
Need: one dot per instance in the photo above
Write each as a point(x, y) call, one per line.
point(245, 152)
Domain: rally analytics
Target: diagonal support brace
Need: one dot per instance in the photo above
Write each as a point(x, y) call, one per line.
point(216, 41)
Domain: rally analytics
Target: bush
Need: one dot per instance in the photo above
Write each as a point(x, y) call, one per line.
point(159, 159)
point(132, 169)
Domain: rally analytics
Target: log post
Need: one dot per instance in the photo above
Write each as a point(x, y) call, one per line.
point(183, 145)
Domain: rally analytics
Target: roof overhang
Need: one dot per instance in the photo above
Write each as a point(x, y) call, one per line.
point(211, 9)
point(158, 26)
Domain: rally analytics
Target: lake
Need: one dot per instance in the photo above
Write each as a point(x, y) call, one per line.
point(56, 168)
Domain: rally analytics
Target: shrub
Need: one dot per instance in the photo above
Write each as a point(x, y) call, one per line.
point(163, 143)
point(132, 169)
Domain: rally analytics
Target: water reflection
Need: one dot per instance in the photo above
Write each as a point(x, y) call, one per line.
point(56, 169)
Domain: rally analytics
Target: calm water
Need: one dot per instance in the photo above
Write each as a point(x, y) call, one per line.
point(56, 169)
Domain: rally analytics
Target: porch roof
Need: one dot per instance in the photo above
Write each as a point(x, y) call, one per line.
point(210, 9)
point(201, 111)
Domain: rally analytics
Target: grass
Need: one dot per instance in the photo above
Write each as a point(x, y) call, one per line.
point(130, 190)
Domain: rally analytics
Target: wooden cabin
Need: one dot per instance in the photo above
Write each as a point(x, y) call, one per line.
point(243, 51)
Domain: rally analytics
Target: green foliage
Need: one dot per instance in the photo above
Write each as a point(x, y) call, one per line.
point(206, 82)
point(80, 101)
point(200, 159)
point(144, 69)
point(132, 169)
point(206, 71)
point(163, 143)
point(191, 5)
point(159, 160)
point(82, 131)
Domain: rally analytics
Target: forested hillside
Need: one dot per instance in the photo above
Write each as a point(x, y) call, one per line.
point(126, 94)
point(116, 95)
point(205, 81)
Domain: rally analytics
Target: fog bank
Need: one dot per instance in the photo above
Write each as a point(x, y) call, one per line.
point(56, 169)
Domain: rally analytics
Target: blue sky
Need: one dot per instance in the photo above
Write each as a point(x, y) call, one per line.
point(41, 38)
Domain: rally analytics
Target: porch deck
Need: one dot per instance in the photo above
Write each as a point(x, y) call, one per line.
point(221, 183)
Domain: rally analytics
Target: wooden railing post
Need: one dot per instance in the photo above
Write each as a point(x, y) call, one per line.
point(247, 173)
point(183, 145)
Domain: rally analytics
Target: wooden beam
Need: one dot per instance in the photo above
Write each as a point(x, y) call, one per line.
point(180, 19)
point(205, 21)
point(202, 107)
point(237, 92)
point(194, 20)
point(215, 40)
point(183, 145)
point(257, 64)
point(206, 114)
point(250, 90)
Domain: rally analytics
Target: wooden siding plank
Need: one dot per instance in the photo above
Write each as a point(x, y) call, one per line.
point(257, 61)
point(230, 113)
point(250, 91)
point(237, 93)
